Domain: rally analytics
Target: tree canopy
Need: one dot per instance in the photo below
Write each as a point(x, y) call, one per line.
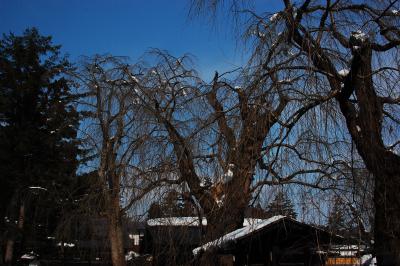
point(38, 125)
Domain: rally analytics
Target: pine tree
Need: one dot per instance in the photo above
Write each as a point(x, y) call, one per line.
point(174, 204)
point(336, 218)
point(38, 126)
point(281, 205)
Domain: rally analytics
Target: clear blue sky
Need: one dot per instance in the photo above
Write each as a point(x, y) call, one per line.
point(126, 27)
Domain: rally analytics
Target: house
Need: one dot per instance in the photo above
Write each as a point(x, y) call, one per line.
point(171, 240)
point(279, 240)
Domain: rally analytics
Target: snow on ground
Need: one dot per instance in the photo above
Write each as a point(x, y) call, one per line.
point(68, 245)
point(131, 255)
point(41, 188)
point(29, 256)
point(239, 233)
point(367, 259)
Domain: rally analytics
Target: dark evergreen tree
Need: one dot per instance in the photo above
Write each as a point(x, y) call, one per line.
point(173, 204)
point(38, 131)
point(281, 205)
point(336, 218)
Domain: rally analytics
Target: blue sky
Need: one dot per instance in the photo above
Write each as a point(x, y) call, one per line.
point(126, 27)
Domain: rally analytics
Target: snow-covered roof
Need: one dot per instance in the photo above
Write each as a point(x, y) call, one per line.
point(176, 221)
point(348, 250)
point(191, 221)
point(239, 233)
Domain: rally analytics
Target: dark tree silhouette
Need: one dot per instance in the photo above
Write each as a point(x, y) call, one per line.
point(38, 128)
point(281, 205)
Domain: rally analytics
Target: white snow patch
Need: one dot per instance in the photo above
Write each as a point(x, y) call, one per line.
point(368, 259)
point(29, 256)
point(274, 17)
point(220, 201)
point(287, 80)
point(136, 100)
point(68, 245)
point(229, 173)
point(343, 72)
point(4, 123)
point(395, 11)
point(359, 35)
point(176, 221)
point(237, 234)
point(130, 255)
point(41, 188)
point(135, 78)
point(348, 250)
point(260, 34)
point(191, 221)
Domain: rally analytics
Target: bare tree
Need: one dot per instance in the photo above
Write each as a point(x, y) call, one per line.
point(224, 137)
point(118, 132)
point(350, 49)
point(362, 38)
point(222, 140)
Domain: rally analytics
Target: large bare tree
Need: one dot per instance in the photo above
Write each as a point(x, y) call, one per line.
point(351, 49)
point(120, 137)
point(355, 47)
point(225, 136)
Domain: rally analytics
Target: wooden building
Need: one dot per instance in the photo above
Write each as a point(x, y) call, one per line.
point(278, 240)
point(170, 240)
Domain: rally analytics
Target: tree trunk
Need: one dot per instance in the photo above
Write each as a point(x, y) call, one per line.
point(115, 234)
point(385, 167)
point(9, 253)
point(387, 210)
point(230, 215)
point(365, 127)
